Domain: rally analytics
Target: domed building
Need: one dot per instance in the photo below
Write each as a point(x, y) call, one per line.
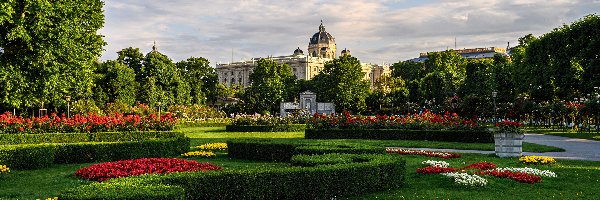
point(322, 44)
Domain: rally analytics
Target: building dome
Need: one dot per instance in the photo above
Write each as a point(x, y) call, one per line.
point(298, 51)
point(345, 52)
point(322, 36)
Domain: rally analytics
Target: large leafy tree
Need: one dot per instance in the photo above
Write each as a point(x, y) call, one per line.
point(341, 82)
point(268, 86)
point(201, 77)
point(411, 73)
point(115, 82)
point(48, 50)
point(169, 87)
point(133, 58)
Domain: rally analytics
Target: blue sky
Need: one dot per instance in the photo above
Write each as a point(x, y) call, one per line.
point(383, 31)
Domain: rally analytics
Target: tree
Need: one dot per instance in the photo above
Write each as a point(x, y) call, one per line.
point(170, 88)
point(341, 82)
point(117, 82)
point(48, 51)
point(201, 77)
point(133, 58)
point(268, 83)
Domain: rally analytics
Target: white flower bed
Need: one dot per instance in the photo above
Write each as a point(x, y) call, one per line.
point(435, 163)
point(466, 179)
point(527, 170)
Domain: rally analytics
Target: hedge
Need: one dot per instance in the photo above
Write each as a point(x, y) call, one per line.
point(10, 139)
point(274, 150)
point(258, 128)
point(338, 180)
point(33, 156)
point(399, 134)
point(125, 188)
point(202, 124)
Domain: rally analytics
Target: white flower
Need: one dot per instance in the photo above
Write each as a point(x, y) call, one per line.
point(436, 163)
point(466, 179)
point(527, 170)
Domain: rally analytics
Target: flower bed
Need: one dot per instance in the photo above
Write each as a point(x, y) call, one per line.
point(422, 121)
point(538, 160)
point(53, 123)
point(4, 169)
point(213, 146)
point(462, 178)
point(206, 154)
point(422, 153)
point(136, 167)
point(266, 128)
point(517, 176)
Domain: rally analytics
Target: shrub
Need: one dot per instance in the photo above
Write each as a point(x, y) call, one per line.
point(470, 136)
point(10, 139)
point(125, 188)
point(136, 167)
point(28, 156)
point(374, 173)
point(85, 107)
point(266, 128)
point(267, 120)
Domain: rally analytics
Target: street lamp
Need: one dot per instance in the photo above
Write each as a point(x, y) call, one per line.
point(158, 104)
point(68, 98)
point(494, 94)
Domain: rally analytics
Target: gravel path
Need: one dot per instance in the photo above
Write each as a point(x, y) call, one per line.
point(576, 149)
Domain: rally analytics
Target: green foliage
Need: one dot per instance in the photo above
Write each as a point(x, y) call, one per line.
point(85, 107)
point(7, 139)
point(266, 150)
point(391, 134)
point(341, 82)
point(132, 57)
point(126, 188)
point(162, 82)
point(49, 51)
point(27, 156)
point(117, 82)
point(269, 82)
point(201, 77)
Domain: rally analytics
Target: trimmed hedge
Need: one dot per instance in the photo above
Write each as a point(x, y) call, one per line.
point(125, 188)
point(373, 173)
point(272, 150)
point(33, 156)
point(399, 134)
point(202, 124)
point(10, 139)
point(257, 128)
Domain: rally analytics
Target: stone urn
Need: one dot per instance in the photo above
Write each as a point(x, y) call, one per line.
point(508, 144)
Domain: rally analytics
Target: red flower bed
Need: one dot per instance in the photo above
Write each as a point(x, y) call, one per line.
point(423, 121)
point(435, 170)
point(509, 124)
point(135, 167)
point(517, 176)
point(10, 123)
point(481, 166)
point(422, 153)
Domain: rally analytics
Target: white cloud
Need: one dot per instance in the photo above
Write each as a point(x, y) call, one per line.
point(375, 31)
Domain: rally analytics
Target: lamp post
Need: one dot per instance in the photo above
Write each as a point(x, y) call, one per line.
point(68, 98)
point(494, 94)
point(158, 104)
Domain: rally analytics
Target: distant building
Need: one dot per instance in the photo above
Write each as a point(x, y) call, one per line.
point(475, 53)
point(321, 49)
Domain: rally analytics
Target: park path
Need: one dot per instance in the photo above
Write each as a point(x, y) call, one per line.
point(575, 149)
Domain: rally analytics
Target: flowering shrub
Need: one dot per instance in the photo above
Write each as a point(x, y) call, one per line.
point(481, 166)
point(423, 153)
point(4, 169)
point(541, 160)
point(10, 123)
point(527, 170)
point(205, 154)
point(436, 163)
point(466, 179)
point(213, 146)
point(517, 176)
point(509, 127)
point(423, 121)
point(266, 120)
point(135, 167)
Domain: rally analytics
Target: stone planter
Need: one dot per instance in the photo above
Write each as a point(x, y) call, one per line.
point(509, 144)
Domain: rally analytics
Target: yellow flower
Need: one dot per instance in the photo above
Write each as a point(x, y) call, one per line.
point(199, 154)
point(213, 146)
point(537, 160)
point(4, 169)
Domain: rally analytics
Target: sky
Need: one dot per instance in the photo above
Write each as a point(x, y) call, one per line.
point(379, 32)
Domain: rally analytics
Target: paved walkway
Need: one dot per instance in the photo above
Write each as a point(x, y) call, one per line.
point(576, 149)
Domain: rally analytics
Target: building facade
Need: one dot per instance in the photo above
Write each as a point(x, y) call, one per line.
point(474, 53)
point(321, 49)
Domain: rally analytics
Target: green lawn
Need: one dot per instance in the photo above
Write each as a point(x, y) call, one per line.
point(569, 133)
point(575, 177)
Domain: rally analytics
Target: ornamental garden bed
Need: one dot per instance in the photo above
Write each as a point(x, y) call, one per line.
point(266, 128)
point(469, 136)
point(267, 123)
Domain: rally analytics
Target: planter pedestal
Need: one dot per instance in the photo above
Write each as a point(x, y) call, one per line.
point(508, 144)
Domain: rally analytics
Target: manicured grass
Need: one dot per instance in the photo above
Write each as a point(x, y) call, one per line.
point(569, 133)
point(575, 180)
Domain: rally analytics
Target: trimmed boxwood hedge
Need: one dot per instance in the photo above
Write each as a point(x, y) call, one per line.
point(33, 156)
point(481, 136)
point(9, 139)
point(257, 128)
point(125, 188)
point(274, 150)
point(370, 173)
